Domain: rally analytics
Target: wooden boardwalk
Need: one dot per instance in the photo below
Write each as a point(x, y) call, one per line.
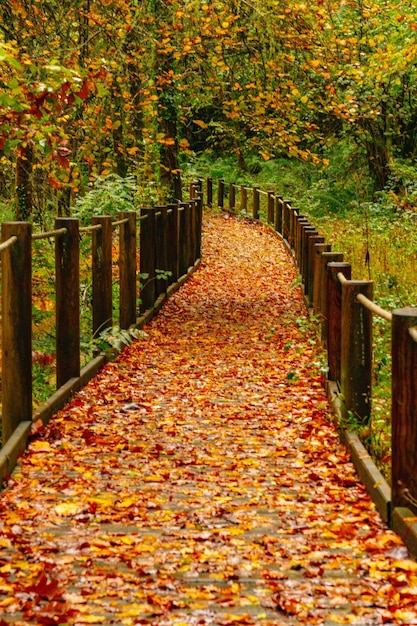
point(199, 480)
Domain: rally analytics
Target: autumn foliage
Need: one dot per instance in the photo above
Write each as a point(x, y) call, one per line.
point(199, 480)
point(88, 88)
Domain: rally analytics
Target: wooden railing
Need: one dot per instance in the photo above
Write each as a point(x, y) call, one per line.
point(169, 241)
point(345, 309)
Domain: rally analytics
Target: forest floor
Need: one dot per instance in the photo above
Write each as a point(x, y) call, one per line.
point(199, 479)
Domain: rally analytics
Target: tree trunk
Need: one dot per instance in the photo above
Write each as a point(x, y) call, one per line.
point(378, 164)
point(378, 153)
point(170, 173)
point(24, 187)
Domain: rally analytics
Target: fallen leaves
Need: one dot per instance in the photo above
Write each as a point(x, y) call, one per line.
point(195, 482)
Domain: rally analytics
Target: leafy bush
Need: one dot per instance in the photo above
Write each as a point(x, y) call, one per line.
point(108, 196)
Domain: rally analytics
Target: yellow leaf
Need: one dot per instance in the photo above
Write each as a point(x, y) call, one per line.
point(342, 619)
point(406, 565)
point(40, 446)
point(200, 123)
point(5, 569)
point(253, 599)
point(91, 619)
point(304, 99)
point(406, 617)
point(127, 502)
point(134, 610)
point(67, 508)
point(154, 478)
point(126, 540)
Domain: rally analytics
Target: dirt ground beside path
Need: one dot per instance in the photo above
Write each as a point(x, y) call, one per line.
point(199, 480)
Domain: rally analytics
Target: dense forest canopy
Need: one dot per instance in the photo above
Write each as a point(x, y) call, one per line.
point(91, 87)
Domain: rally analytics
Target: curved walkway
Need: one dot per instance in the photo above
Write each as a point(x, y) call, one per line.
point(198, 480)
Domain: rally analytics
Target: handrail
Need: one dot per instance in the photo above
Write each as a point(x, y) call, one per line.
point(412, 331)
point(374, 308)
point(367, 303)
point(49, 234)
point(342, 278)
point(90, 229)
point(120, 222)
point(8, 243)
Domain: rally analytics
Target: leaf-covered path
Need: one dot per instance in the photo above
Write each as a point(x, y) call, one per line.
point(198, 479)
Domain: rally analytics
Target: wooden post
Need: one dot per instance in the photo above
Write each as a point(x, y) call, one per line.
point(232, 197)
point(17, 327)
point(256, 203)
point(161, 262)
point(310, 264)
point(334, 316)
point(198, 226)
point(127, 269)
point(220, 194)
point(147, 258)
point(326, 257)
point(102, 274)
point(301, 222)
point(191, 233)
point(243, 199)
point(356, 351)
point(172, 242)
point(278, 214)
point(316, 260)
point(270, 209)
point(293, 212)
point(286, 221)
point(209, 184)
point(307, 232)
point(404, 409)
point(67, 281)
point(195, 187)
point(182, 239)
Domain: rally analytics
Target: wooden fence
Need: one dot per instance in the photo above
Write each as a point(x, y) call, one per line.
point(346, 309)
point(169, 241)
